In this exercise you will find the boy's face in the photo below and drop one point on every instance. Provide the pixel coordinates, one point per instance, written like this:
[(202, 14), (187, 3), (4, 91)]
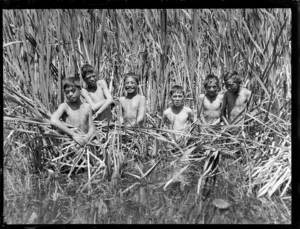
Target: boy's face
[(232, 86), (211, 88), (90, 79), (177, 99), (130, 85), (72, 94)]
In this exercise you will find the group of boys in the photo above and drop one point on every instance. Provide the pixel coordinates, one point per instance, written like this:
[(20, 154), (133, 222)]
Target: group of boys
[(213, 107), (98, 100)]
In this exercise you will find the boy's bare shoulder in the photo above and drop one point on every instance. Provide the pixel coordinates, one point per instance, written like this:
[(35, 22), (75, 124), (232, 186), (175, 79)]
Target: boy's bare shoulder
[(220, 96), (247, 91), (101, 83), (63, 106), (167, 111), (187, 109), (201, 96), (83, 91), (141, 97), (121, 98), (86, 106)]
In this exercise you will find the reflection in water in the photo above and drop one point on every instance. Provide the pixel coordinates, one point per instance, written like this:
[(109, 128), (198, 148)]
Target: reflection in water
[(59, 200)]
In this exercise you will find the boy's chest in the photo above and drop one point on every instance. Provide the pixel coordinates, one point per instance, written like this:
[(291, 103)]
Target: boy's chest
[(132, 104), (180, 117), (237, 100), (212, 104), (77, 117), (96, 95)]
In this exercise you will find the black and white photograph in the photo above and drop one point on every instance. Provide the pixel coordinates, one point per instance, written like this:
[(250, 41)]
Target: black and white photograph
[(147, 116)]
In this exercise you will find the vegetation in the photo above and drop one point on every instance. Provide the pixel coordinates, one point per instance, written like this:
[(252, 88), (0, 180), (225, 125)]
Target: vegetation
[(142, 175)]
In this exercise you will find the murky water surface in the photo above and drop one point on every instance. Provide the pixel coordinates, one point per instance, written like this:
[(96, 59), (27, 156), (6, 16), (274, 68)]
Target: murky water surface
[(61, 200)]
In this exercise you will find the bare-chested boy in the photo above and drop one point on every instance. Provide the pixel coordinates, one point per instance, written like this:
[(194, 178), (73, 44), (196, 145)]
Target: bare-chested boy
[(210, 103), (133, 105), (77, 113), (96, 93), (178, 115), (236, 101)]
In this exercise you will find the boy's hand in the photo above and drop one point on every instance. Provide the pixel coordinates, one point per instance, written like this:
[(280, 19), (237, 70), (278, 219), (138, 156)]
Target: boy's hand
[(96, 114), (77, 138), (86, 139)]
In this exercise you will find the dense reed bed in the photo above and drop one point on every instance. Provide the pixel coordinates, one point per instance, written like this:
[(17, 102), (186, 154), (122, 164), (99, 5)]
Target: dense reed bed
[(210, 177)]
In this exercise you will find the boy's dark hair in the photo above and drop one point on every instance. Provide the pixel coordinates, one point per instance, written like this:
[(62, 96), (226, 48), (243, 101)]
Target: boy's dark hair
[(71, 82), (132, 75), (176, 88), (209, 78), (86, 70), (234, 76)]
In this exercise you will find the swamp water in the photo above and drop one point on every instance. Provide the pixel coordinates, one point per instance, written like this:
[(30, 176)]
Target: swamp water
[(57, 199)]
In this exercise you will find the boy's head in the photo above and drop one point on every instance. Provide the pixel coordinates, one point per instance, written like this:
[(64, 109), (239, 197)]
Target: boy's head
[(71, 86), (233, 81), (88, 75), (133, 76), (131, 82), (211, 85), (177, 95)]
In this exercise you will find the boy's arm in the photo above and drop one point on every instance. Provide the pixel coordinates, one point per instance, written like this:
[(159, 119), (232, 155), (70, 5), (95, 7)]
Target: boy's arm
[(142, 110), (61, 126), (250, 102), (191, 115), (89, 100), (164, 119), (253, 108), (108, 98), (200, 109), (121, 119), (223, 110), (92, 128)]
